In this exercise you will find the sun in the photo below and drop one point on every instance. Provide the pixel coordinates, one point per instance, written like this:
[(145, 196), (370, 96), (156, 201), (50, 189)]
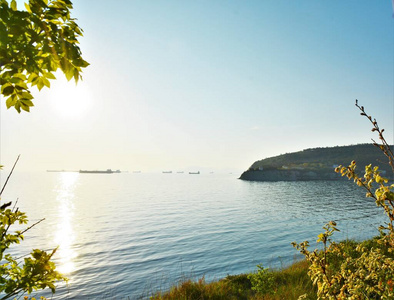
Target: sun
[(69, 100)]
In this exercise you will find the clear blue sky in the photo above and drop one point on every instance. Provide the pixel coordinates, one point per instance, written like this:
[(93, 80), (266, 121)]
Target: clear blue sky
[(213, 85)]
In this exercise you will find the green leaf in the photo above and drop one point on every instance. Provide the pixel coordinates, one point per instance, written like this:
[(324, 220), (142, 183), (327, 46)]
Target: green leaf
[(27, 6), (21, 85), (8, 90), (18, 107), (25, 107), (76, 75), (10, 101), (13, 5), (15, 80), (40, 83), (26, 95), (32, 77), (20, 76), (84, 64), (80, 63), (49, 75), (46, 82), (69, 74), (52, 287), (26, 103)]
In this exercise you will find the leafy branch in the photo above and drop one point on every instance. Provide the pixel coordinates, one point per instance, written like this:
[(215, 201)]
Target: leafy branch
[(368, 273), (33, 45), (35, 271), (9, 175)]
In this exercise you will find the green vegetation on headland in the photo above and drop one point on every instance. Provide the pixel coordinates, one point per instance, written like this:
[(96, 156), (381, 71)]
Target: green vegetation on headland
[(287, 283), (315, 164)]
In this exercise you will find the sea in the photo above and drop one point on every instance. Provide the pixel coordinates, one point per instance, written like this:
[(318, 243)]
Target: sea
[(129, 235)]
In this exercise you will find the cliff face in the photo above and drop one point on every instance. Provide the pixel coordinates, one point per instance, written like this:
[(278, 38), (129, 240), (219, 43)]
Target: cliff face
[(288, 175), (316, 164)]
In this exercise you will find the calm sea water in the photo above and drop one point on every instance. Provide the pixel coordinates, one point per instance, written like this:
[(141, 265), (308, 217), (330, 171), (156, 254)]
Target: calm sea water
[(127, 235)]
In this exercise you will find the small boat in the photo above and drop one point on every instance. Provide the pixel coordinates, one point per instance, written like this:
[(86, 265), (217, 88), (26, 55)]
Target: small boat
[(198, 172)]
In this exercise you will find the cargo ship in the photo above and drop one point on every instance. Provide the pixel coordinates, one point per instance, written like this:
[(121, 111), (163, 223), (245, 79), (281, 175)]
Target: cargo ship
[(108, 171)]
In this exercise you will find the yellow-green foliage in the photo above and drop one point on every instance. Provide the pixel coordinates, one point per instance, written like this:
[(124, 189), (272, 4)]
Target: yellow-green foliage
[(367, 272), (36, 271), (34, 44), (289, 283), (263, 280)]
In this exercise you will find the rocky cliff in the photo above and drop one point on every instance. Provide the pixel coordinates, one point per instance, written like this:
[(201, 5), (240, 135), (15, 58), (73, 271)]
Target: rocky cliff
[(288, 175), (316, 164)]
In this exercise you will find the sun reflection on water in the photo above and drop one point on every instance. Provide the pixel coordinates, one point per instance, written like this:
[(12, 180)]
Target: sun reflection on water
[(65, 235)]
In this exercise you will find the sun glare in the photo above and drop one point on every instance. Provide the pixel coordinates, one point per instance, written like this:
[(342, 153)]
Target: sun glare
[(69, 100), (65, 232)]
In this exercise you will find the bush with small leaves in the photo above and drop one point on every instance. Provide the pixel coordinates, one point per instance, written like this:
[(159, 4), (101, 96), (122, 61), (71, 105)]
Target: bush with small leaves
[(263, 280), (36, 271), (368, 273)]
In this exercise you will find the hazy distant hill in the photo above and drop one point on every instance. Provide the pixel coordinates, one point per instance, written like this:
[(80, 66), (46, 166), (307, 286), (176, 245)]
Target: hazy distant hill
[(316, 163)]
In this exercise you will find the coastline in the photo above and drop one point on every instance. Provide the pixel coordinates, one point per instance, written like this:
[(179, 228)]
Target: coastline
[(290, 175)]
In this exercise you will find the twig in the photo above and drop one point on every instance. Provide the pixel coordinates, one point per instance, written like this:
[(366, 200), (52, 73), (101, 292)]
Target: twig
[(30, 227), (16, 202), (29, 254), (385, 147), (12, 170)]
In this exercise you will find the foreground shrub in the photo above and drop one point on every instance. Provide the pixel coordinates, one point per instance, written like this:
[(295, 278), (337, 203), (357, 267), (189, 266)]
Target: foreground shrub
[(36, 271), (367, 272), (263, 280)]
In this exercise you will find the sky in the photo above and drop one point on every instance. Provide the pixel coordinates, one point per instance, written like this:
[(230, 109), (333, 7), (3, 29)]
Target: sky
[(210, 85)]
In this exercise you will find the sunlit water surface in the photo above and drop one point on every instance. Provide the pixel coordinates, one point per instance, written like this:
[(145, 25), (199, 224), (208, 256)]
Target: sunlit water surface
[(128, 235)]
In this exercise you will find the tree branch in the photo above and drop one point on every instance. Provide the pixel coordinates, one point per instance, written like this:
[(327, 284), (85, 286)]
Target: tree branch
[(12, 170)]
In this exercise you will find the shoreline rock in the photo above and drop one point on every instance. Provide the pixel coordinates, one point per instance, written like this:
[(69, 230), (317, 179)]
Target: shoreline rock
[(289, 175)]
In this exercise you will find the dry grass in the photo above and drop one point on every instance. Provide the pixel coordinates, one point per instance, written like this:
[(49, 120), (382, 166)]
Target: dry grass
[(290, 283)]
